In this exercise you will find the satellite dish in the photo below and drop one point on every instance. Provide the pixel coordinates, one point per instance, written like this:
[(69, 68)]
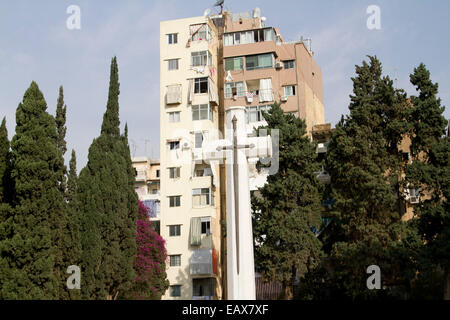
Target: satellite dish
[(256, 12), (219, 3), (263, 19), (207, 11)]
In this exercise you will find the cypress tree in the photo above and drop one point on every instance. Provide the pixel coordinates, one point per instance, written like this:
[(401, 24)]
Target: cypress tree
[(108, 207), (430, 172), (34, 249), (365, 167), (288, 207), (72, 179), (5, 165), (61, 130), (5, 209), (73, 253)]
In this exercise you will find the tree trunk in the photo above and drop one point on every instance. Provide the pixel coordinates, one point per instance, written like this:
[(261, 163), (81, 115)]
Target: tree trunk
[(447, 284), (286, 293)]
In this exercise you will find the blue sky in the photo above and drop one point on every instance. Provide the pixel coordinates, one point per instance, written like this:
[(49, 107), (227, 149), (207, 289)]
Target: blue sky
[(35, 44)]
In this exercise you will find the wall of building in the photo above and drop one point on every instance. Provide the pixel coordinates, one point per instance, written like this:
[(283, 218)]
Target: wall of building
[(182, 157)]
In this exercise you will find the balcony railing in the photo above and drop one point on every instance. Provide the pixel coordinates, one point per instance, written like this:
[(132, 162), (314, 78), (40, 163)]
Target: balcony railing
[(267, 95)]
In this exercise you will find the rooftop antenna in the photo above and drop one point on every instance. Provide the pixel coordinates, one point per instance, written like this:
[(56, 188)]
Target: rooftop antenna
[(219, 3), (145, 146), (133, 147)]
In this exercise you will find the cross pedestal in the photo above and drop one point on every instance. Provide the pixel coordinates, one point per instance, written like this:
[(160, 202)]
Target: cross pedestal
[(236, 148)]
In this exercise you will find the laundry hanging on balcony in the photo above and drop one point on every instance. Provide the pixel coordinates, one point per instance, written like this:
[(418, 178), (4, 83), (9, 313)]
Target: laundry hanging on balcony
[(213, 97), (195, 232), (265, 90)]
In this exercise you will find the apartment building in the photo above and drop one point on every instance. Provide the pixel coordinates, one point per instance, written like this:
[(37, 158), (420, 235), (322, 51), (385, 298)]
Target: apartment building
[(147, 186), (207, 65)]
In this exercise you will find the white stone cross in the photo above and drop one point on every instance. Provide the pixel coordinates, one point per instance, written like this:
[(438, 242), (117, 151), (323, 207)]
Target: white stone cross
[(236, 148)]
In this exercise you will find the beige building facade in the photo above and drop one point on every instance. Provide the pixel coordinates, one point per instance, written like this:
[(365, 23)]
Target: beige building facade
[(209, 64)]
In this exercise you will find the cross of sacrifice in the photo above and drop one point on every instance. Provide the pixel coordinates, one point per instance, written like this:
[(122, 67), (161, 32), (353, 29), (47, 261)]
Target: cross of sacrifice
[(236, 149)]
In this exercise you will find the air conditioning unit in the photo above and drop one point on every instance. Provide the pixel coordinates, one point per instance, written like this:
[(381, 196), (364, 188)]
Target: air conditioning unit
[(414, 200), (284, 98), (279, 65)]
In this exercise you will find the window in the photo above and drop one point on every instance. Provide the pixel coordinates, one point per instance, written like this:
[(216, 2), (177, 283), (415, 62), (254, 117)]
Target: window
[(175, 231), (198, 137), (260, 61), (255, 114), (154, 191), (201, 197), (202, 112), (173, 38), (173, 145), (201, 85), (251, 36), (174, 173), (201, 58), (200, 32), (234, 89), (289, 91), (174, 116), (202, 171), (206, 226), (157, 173), (173, 64), (174, 201), (175, 291), (234, 63), (175, 260), (289, 64)]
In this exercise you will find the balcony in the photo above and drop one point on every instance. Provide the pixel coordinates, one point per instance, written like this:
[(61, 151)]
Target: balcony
[(203, 262), (141, 175)]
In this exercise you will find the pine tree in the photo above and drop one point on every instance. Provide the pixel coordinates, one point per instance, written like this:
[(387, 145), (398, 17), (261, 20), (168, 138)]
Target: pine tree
[(430, 171), (108, 207), (364, 162), (33, 252), (150, 261), (289, 206)]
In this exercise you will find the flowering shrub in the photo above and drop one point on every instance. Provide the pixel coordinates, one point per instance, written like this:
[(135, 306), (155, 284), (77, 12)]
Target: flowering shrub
[(151, 278)]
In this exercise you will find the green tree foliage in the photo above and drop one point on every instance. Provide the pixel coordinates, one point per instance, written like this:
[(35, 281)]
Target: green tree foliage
[(365, 166), (288, 206), (32, 252), (430, 172), (107, 205)]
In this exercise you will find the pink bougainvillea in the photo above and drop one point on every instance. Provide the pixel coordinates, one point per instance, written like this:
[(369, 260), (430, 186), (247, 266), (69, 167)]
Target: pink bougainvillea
[(151, 278)]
